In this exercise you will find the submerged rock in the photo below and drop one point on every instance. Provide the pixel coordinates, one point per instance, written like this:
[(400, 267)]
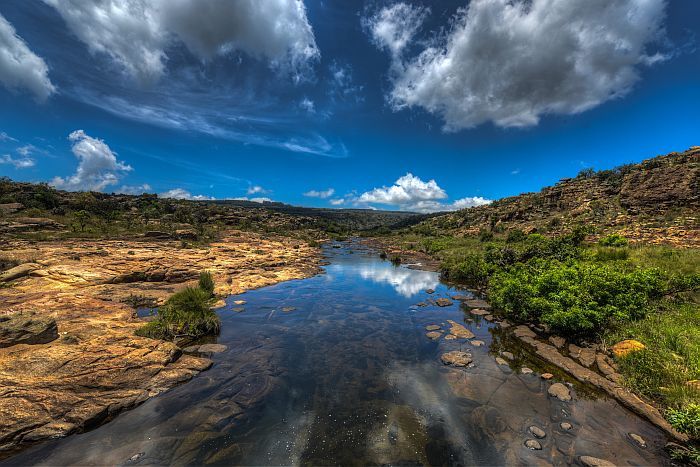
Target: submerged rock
[(537, 432), (443, 302), (559, 391), (533, 444), (566, 426), (456, 358), (590, 461), (432, 327), (212, 348), (477, 343), (239, 302), (479, 312), (460, 331), (288, 309), (638, 439), (433, 335)]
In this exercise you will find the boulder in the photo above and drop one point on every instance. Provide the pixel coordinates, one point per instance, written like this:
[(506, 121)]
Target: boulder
[(18, 272), (566, 426), (626, 347), (559, 391), (26, 329), (456, 358)]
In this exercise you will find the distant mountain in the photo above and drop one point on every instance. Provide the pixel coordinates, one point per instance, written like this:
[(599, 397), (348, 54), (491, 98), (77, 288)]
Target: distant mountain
[(654, 201)]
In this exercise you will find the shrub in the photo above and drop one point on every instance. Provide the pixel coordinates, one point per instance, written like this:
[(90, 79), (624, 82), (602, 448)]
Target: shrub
[(485, 235), (613, 240), (686, 420), (206, 282), (515, 236), (470, 269), (187, 312), (574, 298), (611, 254)]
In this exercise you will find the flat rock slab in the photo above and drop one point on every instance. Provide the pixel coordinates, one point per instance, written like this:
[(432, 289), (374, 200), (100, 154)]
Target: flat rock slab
[(590, 461), (456, 358), (212, 348), (443, 302), (559, 391), (433, 335), (25, 328), (477, 303), (460, 331), (432, 327), (18, 272), (477, 343), (479, 312)]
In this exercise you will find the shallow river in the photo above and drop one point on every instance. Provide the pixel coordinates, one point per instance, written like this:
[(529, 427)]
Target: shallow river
[(336, 369)]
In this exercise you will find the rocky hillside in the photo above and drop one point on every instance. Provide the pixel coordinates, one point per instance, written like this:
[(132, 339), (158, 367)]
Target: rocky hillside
[(655, 201)]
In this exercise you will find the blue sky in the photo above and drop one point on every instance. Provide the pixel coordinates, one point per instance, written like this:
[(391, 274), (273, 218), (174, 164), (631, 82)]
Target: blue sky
[(334, 103)]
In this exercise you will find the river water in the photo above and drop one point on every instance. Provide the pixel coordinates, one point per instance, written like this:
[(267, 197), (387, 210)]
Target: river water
[(337, 369)]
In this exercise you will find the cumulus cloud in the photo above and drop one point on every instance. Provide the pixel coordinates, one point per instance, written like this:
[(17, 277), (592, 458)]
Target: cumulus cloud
[(20, 67), (511, 61), (134, 189), (254, 200), (98, 166), (393, 27), (137, 33), (253, 189), (23, 162), (320, 194), (410, 193), (337, 201), (181, 193)]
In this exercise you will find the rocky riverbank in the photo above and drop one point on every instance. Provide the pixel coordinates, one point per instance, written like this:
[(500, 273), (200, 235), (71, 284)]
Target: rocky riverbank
[(69, 358)]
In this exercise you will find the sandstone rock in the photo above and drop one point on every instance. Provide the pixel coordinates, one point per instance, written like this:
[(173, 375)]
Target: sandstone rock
[(18, 272), (212, 348), (546, 376), (565, 426), (433, 335), (288, 309), (523, 331), (507, 355), (533, 444), (186, 234), (537, 432), (432, 327), (500, 361), (479, 312), (460, 298), (477, 343), (9, 208), (559, 391), (239, 302), (625, 347), (557, 341), (478, 303), (488, 317), (603, 365), (456, 358), (20, 328), (526, 371), (589, 461), (460, 331), (191, 349), (157, 234), (450, 337), (443, 302)]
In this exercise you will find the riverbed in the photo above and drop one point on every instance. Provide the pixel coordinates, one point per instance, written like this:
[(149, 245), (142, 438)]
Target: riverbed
[(337, 369)]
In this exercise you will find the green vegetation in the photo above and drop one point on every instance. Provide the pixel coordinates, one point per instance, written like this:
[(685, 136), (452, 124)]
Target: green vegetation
[(186, 313), (686, 420), (206, 282), (614, 240)]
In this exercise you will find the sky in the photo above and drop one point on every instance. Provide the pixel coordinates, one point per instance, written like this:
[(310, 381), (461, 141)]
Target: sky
[(415, 105)]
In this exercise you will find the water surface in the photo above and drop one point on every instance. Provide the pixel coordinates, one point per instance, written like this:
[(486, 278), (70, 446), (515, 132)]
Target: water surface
[(336, 369)]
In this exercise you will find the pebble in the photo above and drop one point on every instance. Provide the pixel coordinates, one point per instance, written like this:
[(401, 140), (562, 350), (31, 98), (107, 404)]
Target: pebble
[(559, 391), (476, 343), (507, 355), (526, 371), (638, 439), (537, 432), (500, 361), (547, 376), (533, 444), (136, 457), (565, 426), (239, 302)]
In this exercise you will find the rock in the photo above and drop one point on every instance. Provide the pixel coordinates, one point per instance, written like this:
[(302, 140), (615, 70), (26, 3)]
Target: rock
[(537, 432), (433, 335), (460, 331), (186, 234), (34, 223), (288, 309), (625, 347), (136, 457), (526, 371), (477, 303), (450, 337), (589, 461), (603, 365), (504, 324), (524, 331), (500, 361), (565, 426), (460, 298), (638, 439), (432, 327), (546, 376), (533, 444), (456, 358), (18, 272), (212, 348), (191, 349), (488, 317), (421, 304), (559, 391), (477, 343), (157, 234), (239, 302), (9, 208), (508, 355), (20, 328), (557, 341), (430, 291), (238, 309), (443, 302), (585, 355), (479, 312)]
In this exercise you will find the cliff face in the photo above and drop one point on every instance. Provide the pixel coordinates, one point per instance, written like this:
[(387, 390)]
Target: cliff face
[(655, 201)]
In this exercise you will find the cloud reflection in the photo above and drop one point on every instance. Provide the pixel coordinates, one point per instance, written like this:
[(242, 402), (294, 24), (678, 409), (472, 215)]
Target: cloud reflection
[(407, 282)]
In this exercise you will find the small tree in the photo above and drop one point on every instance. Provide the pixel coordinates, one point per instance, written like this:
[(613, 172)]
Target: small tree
[(82, 218)]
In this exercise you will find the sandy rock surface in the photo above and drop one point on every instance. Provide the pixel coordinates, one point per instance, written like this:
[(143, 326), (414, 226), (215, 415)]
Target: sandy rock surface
[(97, 366)]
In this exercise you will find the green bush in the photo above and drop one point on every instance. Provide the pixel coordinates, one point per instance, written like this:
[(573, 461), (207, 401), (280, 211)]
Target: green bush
[(187, 312), (574, 298), (613, 240), (206, 282), (611, 254), (686, 420), (470, 269), (485, 236)]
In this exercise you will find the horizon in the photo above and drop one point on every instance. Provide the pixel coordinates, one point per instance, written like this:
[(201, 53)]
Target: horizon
[(345, 106)]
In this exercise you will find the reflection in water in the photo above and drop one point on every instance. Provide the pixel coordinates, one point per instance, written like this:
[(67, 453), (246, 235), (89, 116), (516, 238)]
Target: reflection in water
[(407, 282), (347, 376)]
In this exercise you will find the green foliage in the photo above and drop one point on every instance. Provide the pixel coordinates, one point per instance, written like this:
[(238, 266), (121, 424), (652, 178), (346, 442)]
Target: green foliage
[(206, 282), (395, 260), (574, 298), (470, 268), (187, 312), (611, 254), (485, 236), (686, 419), (613, 240), (515, 236)]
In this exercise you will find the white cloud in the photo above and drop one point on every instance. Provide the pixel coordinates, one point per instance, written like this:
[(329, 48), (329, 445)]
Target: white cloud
[(410, 193), (20, 67), (512, 61), (181, 193), (254, 200), (320, 194), (337, 201), (308, 105), (134, 189), (5, 137), (393, 27), (136, 34), (20, 163), (98, 166), (256, 189)]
